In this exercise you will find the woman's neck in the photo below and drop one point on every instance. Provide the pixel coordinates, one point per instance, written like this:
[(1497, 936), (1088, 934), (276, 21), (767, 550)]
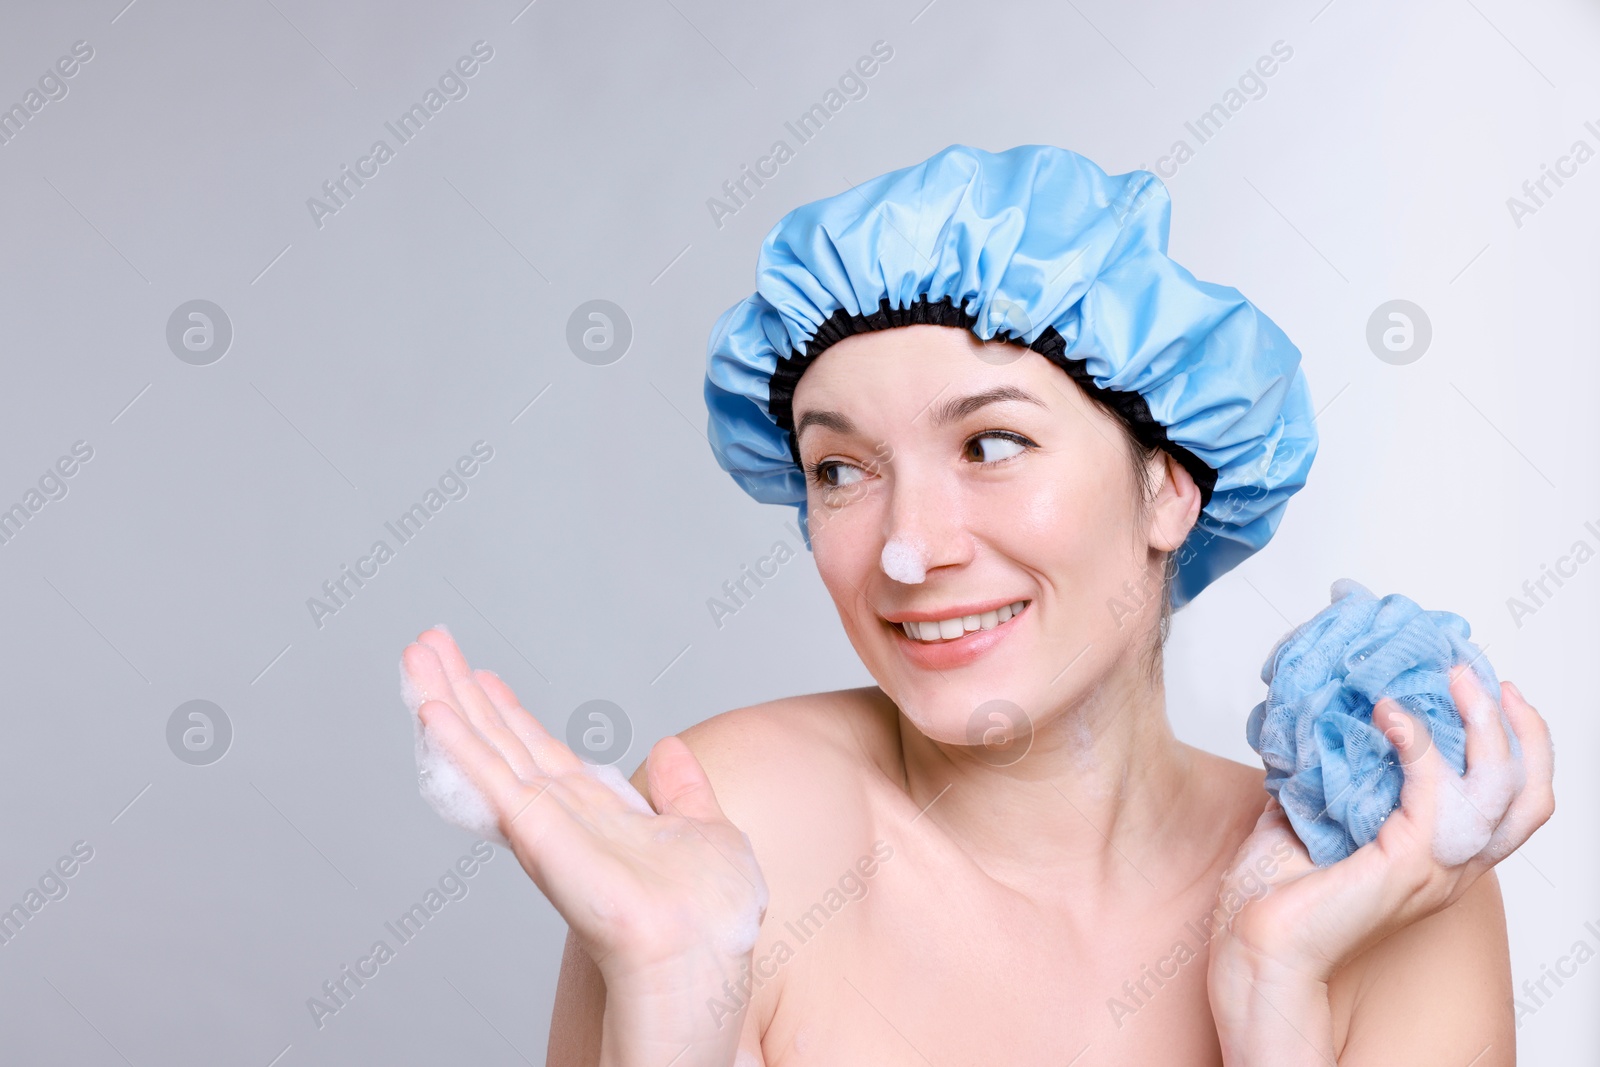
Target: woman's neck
[(1096, 805)]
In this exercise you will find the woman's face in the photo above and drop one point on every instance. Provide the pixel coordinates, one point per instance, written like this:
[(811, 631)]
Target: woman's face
[(985, 471)]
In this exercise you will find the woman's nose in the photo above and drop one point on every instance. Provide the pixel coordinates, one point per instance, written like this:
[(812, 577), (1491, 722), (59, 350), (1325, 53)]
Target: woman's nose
[(905, 560), (925, 529)]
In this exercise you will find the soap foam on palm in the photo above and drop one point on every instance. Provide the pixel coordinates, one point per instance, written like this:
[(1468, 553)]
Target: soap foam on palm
[(608, 775), (442, 784), (449, 791)]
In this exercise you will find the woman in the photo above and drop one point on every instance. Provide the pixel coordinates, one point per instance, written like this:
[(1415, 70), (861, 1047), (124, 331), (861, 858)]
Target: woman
[(1000, 852)]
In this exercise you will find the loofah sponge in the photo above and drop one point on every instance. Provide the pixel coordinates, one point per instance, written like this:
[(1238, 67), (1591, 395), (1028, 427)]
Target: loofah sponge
[(1336, 775)]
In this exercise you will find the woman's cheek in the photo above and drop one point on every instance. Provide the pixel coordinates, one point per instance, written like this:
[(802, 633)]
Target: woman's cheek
[(1047, 515), (842, 544), (1079, 535)]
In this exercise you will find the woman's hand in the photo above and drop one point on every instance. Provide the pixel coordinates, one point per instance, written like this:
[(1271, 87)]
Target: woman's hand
[(667, 903), (1448, 830)]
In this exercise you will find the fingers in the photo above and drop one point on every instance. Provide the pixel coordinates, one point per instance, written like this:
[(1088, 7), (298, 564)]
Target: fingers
[(1411, 738), (433, 663), (1535, 800), (678, 784), (1487, 743), (1538, 749), (476, 758), (551, 756), (1273, 840), (535, 817), (422, 666), (1423, 764), (470, 697)]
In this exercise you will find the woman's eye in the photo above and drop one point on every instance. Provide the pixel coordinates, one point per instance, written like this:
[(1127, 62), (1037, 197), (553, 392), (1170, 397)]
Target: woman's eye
[(993, 447), (836, 475)]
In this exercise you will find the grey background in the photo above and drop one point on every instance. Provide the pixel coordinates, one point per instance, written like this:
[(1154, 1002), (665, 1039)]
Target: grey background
[(370, 353)]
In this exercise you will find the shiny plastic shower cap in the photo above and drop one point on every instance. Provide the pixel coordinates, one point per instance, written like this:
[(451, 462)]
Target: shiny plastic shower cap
[(1035, 246)]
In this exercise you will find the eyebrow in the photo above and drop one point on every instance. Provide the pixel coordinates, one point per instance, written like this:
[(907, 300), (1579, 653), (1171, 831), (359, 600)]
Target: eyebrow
[(959, 407), (956, 408)]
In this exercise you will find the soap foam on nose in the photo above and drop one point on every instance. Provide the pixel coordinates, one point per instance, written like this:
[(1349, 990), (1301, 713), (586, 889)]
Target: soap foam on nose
[(442, 784), (904, 561)]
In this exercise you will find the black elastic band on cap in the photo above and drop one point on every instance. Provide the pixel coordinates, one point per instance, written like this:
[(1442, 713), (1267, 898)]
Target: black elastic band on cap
[(1129, 407)]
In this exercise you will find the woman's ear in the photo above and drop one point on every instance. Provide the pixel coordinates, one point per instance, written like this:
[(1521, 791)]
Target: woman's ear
[(1175, 508)]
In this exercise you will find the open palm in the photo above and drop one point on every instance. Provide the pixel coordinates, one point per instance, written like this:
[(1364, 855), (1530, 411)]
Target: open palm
[(644, 890)]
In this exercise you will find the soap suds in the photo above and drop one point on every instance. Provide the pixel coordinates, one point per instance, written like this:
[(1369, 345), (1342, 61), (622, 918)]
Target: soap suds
[(608, 776), (1468, 809), (442, 784), (905, 561), (739, 938), (457, 800)]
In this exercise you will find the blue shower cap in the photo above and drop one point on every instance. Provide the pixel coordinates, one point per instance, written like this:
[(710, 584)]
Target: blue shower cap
[(1336, 775), (1035, 246)]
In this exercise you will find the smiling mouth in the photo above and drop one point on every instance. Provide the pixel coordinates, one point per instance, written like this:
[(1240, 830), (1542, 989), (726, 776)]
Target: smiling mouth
[(961, 625)]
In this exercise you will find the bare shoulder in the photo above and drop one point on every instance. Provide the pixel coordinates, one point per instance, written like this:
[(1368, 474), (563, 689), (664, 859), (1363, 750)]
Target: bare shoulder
[(1233, 795), (796, 774), (852, 727), (1437, 988), (1241, 780)]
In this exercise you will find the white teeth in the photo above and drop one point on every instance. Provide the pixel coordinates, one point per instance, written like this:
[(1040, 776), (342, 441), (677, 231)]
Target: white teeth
[(949, 629)]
